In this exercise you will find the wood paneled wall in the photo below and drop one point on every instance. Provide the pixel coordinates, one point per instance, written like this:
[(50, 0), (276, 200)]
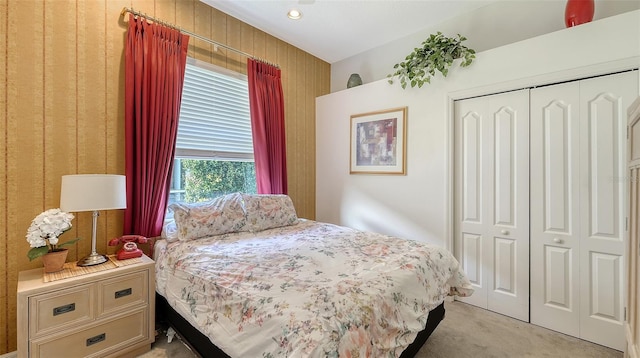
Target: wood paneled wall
[(61, 111)]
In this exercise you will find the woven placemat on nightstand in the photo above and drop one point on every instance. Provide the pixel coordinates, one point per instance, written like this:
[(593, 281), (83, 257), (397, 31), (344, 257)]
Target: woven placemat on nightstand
[(70, 269)]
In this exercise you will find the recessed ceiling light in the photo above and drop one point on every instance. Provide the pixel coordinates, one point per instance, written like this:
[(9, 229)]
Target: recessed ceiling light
[(294, 14)]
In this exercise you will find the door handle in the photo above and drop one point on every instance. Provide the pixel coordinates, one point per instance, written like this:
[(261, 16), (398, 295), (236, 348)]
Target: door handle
[(558, 240), (504, 232)]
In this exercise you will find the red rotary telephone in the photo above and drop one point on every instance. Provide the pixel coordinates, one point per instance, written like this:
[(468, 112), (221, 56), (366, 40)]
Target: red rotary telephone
[(129, 248)]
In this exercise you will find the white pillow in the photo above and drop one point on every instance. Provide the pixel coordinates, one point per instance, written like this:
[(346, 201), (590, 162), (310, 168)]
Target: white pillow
[(267, 211), (219, 216), (169, 231)]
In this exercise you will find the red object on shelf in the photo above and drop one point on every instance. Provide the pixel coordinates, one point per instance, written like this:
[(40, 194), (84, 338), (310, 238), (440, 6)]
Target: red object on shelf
[(129, 248), (578, 12)]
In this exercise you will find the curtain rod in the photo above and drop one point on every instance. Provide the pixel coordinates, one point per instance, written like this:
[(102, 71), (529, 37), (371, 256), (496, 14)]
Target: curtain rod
[(214, 43)]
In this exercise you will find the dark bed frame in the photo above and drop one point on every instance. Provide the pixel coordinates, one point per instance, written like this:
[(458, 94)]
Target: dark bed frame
[(203, 346)]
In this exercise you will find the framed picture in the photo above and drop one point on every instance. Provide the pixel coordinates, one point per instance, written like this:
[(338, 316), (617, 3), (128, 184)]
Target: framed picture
[(378, 142)]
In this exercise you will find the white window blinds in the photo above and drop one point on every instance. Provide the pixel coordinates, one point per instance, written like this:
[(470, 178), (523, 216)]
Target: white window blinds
[(215, 121)]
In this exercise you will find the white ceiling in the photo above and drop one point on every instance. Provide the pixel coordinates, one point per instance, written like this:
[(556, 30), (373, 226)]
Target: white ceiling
[(333, 30)]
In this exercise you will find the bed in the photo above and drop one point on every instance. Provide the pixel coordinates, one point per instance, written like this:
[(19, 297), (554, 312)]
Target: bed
[(243, 276)]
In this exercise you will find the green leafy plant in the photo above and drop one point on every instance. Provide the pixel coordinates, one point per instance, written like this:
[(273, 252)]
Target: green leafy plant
[(436, 54)]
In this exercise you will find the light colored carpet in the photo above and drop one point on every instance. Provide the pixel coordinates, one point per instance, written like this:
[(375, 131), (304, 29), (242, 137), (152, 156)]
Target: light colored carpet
[(466, 331)]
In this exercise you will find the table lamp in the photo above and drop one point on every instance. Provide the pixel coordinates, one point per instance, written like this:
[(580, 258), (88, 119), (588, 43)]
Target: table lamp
[(93, 192)]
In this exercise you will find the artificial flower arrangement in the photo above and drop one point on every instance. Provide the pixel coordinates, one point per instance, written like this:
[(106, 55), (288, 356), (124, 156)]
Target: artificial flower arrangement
[(48, 226)]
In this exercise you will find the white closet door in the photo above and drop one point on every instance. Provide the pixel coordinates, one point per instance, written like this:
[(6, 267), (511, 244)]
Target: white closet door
[(603, 104), (492, 200), (578, 206), (555, 215), (472, 221)]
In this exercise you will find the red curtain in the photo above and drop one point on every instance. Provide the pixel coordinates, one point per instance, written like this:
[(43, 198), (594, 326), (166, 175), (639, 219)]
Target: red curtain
[(266, 101), (155, 60)]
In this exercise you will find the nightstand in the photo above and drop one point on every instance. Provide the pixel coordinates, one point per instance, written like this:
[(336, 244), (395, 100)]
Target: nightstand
[(109, 313)]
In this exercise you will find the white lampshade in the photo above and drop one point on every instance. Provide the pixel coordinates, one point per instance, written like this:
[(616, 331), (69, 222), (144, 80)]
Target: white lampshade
[(90, 192)]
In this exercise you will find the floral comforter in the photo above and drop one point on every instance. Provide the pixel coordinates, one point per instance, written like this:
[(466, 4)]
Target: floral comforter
[(307, 290)]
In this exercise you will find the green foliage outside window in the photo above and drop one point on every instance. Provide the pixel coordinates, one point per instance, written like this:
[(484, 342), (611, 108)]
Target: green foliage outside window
[(206, 179)]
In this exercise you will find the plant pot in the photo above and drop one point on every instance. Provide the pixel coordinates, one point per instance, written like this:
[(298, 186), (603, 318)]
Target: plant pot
[(54, 261)]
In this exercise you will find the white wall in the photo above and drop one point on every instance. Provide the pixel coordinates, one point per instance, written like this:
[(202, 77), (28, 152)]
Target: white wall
[(417, 205), (488, 27)]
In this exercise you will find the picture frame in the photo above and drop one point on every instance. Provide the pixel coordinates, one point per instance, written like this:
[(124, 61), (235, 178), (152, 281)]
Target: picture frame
[(378, 142)]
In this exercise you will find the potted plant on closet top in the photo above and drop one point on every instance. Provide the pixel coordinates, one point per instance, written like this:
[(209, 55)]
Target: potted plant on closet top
[(437, 53)]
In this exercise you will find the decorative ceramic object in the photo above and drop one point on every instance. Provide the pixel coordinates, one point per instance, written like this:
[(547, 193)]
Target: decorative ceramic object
[(578, 12), (354, 80), (54, 261)]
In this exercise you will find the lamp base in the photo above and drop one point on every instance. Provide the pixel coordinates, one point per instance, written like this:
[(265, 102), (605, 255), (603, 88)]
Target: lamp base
[(93, 259)]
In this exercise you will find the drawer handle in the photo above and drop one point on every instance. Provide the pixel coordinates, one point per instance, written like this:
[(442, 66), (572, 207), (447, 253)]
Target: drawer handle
[(122, 293), (64, 309), (96, 339)]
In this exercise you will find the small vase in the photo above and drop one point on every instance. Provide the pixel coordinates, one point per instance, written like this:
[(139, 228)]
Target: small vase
[(354, 80), (54, 261), (578, 12)]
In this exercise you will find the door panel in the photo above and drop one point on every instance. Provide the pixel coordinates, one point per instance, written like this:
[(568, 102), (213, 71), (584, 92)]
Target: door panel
[(603, 148), (504, 160), (556, 138), (472, 225), (508, 291), (558, 277), (604, 294), (492, 180), (604, 101), (471, 260), (555, 218), (471, 192), (505, 255)]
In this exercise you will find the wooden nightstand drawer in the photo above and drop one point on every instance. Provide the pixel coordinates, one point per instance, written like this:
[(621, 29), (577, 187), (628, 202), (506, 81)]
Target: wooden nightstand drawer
[(123, 292), (99, 340), (60, 310)]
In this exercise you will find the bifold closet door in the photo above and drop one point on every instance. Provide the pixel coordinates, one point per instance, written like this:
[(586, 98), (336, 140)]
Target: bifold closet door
[(555, 202), (578, 206), (492, 200)]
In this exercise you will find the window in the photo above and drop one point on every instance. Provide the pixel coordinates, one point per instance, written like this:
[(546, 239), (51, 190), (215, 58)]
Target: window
[(214, 148)]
